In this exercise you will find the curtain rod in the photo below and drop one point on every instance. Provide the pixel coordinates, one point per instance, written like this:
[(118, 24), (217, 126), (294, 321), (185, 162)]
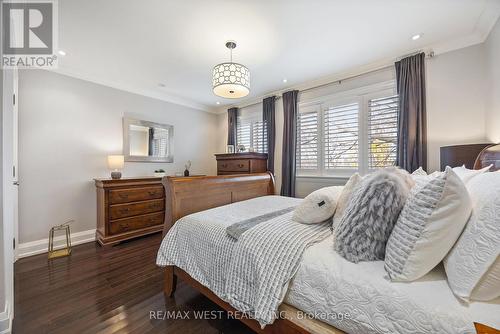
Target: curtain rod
[(339, 81)]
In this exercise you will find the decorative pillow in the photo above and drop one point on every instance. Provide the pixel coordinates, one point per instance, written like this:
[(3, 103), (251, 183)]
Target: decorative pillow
[(466, 174), (473, 265), (419, 172), (370, 215), (430, 223), (344, 198), (318, 206)]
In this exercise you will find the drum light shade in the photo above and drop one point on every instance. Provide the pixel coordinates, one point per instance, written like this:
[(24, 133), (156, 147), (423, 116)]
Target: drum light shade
[(116, 162), (231, 80)]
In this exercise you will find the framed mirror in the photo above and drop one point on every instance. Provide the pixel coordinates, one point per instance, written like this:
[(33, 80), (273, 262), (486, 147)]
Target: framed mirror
[(147, 141)]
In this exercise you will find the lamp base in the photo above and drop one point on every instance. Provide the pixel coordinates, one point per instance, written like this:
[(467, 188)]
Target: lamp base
[(116, 175)]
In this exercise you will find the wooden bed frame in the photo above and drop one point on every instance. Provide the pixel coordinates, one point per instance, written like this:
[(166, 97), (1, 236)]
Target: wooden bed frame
[(186, 195)]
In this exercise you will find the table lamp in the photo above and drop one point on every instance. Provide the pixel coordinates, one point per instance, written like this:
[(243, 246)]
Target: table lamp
[(115, 163)]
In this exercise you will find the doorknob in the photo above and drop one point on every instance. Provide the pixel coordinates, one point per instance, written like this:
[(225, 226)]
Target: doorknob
[(16, 183)]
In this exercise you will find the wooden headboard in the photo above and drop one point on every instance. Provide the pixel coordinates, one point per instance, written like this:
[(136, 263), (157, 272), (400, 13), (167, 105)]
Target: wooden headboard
[(186, 195), (458, 155), (489, 156)]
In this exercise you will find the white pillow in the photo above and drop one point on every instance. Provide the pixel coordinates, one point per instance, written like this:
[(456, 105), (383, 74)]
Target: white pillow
[(419, 172), (344, 197), (473, 265), (430, 223), (466, 174), (318, 206)]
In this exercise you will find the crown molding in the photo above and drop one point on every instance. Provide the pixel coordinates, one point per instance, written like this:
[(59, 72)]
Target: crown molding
[(135, 90)]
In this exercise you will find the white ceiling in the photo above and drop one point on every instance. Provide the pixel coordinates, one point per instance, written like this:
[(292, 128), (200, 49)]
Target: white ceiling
[(135, 45)]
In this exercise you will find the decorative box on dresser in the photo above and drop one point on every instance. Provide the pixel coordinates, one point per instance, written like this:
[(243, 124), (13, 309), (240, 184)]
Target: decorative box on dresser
[(129, 208), (241, 163)]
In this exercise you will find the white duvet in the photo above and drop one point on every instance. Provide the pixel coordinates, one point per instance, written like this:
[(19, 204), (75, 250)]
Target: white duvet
[(358, 298)]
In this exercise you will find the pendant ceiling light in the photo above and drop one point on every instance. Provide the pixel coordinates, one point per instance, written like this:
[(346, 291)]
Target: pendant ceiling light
[(231, 80)]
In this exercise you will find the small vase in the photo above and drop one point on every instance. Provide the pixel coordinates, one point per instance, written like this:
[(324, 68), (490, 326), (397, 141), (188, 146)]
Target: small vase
[(186, 172)]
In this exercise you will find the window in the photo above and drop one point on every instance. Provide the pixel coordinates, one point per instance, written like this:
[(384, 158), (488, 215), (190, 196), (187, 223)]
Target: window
[(382, 131), (355, 132), (341, 148), (251, 130), (307, 140)]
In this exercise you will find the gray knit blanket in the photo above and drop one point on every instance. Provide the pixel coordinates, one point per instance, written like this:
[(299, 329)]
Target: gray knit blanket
[(252, 272)]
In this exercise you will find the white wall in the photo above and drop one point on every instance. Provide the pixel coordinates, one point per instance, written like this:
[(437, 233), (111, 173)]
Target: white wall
[(456, 100), (492, 50), (68, 127)]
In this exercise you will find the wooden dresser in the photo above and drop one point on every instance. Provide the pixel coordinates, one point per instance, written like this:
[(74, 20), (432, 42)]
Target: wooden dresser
[(241, 163), (128, 208)]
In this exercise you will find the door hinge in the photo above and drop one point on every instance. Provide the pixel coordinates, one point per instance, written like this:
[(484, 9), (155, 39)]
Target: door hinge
[(14, 99), (14, 243), (14, 171)]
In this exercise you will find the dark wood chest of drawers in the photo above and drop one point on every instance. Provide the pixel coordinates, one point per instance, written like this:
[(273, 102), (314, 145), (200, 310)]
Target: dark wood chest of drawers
[(128, 208), (241, 163)]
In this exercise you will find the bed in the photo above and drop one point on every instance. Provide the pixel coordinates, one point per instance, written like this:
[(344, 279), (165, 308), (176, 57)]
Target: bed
[(323, 281)]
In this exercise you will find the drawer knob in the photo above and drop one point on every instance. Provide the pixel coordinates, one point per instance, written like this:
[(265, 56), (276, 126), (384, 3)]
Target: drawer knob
[(152, 193), (124, 226), (241, 165), (123, 196), (124, 210), (224, 165)]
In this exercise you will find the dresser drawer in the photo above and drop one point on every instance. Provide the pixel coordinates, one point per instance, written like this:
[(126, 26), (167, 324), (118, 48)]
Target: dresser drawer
[(135, 194), (242, 166), (134, 209), (135, 223)]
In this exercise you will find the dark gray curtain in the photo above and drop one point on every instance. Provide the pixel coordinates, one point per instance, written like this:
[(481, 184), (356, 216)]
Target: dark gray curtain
[(151, 138), (412, 129), (289, 143), (232, 116), (268, 106)]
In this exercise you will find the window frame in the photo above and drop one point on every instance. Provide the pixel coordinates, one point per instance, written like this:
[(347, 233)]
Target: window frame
[(362, 96)]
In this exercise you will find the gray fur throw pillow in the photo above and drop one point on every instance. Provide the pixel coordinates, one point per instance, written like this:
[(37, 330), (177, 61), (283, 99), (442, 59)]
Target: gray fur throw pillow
[(371, 213)]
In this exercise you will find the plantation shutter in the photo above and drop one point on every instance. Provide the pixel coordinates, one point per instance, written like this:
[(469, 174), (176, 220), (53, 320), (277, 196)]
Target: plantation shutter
[(382, 131), (341, 137), (307, 140), (243, 133), (259, 137)]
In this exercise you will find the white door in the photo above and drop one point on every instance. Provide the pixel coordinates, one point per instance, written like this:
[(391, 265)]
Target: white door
[(9, 190), (15, 167)]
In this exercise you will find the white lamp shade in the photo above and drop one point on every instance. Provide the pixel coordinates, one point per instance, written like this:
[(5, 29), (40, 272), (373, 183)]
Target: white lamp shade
[(116, 161), (231, 80)]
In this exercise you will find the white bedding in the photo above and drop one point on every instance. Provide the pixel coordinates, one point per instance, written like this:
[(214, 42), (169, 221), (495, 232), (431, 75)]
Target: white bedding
[(329, 286)]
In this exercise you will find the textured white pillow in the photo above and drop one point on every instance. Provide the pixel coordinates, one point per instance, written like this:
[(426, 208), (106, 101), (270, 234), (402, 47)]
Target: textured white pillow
[(473, 265), (318, 206), (430, 223), (345, 196), (466, 174), (419, 172)]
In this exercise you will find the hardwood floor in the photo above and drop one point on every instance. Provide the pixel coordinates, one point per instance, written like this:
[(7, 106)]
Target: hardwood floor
[(108, 290)]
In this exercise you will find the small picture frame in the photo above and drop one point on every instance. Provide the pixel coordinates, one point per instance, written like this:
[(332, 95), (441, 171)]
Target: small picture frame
[(230, 149)]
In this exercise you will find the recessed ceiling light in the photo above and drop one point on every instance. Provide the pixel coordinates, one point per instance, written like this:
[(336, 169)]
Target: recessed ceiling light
[(415, 37), (161, 85), (61, 52), (285, 80), (217, 102)]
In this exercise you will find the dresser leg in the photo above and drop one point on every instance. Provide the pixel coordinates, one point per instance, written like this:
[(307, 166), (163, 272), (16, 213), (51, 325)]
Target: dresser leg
[(170, 281)]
